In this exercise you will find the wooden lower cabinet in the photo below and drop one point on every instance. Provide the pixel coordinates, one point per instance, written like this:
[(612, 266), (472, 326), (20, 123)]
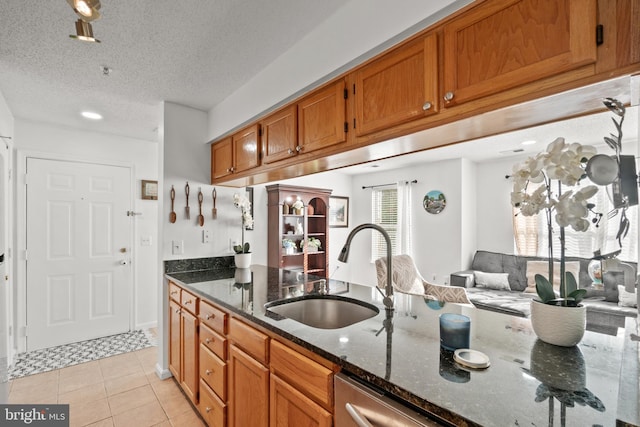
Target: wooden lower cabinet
[(248, 390), (212, 409), (183, 345), (289, 407)]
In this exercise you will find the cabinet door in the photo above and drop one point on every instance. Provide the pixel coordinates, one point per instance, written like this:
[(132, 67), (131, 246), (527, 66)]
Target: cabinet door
[(221, 159), (322, 118), (399, 87), (248, 391), (279, 135), (246, 147), (289, 407), (190, 347), (174, 339), (505, 43)]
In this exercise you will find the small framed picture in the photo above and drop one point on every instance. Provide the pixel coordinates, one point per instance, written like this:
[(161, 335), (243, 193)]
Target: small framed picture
[(149, 190), (338, 211)]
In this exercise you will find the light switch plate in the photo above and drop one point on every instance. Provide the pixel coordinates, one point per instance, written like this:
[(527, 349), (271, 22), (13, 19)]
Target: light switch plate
[(205, 236), (177, 247)]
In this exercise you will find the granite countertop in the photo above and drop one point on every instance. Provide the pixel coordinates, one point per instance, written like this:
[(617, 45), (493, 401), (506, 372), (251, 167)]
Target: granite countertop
[(405, 359)]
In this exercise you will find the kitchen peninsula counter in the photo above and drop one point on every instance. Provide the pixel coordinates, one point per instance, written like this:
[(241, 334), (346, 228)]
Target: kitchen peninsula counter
[(528, 383)]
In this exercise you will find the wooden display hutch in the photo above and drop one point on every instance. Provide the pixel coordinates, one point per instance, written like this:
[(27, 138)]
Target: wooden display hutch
[(299, 227)]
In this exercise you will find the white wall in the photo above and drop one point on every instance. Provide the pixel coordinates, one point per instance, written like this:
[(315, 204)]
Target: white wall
[(358, 31), (72, 144)]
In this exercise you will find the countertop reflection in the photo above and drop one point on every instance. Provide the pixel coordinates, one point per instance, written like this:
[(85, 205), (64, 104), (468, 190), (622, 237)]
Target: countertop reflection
[(526, 384)]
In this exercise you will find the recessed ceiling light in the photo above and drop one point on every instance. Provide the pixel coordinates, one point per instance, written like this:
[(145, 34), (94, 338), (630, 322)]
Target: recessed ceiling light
[(91, 115), (530, 142)]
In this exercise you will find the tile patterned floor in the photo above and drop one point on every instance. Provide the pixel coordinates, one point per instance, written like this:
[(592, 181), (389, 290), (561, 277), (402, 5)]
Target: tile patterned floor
[(117, 391)]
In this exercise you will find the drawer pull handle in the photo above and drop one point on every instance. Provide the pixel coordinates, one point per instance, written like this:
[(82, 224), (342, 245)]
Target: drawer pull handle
[(208, 372), (208, 340), (209, 316), (173, 292), (356, 416), (188, 302), (177, 310), (207, 409)]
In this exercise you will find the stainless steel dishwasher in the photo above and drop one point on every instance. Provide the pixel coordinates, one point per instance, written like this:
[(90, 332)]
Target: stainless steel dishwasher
[(360, 406)]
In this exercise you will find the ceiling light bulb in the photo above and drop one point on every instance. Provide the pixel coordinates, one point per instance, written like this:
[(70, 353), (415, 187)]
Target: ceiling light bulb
[(83, 8), (91, 115)]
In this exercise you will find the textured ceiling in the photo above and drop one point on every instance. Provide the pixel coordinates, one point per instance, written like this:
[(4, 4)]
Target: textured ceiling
[(190, 52)]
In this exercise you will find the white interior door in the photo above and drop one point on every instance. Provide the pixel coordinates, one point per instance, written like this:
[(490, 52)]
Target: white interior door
[(79, 275)]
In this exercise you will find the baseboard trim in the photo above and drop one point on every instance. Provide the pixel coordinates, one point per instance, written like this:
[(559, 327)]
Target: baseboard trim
[(162, 373)]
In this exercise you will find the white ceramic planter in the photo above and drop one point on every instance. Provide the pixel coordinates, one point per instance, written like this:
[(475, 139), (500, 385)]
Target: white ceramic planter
[(563, 326), (242, 260)]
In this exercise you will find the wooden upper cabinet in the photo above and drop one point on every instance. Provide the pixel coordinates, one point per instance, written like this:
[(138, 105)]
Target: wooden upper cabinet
[(501, 44), (279, 135), (400, 86), (246, 146), (221, 159), (322, 118)]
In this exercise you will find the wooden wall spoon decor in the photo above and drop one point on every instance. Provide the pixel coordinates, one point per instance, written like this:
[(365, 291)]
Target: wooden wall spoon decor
[(186, 209), (214, 211), (200, 216), (172, 214)]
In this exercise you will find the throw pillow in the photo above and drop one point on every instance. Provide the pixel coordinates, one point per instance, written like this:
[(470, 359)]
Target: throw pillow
[(627, 299), (542, 267), (496, 281), (611, 280)]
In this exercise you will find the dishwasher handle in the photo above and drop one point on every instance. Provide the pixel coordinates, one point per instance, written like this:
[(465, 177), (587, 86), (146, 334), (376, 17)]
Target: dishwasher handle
[(357, 417)]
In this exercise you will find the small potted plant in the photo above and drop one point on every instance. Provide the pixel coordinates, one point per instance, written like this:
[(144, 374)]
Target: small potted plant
[(243, 253), (289, 246), (313, 244)]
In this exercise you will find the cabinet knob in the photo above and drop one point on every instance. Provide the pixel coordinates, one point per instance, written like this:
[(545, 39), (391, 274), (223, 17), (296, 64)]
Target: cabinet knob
[(426, 106), (209, 316), (178, 311), (228, 169), (188, 302), (233, 169), (208, 341), (448, 96), (207, 409), (173, 292), (298, 148), (290, 151), (208, 372)]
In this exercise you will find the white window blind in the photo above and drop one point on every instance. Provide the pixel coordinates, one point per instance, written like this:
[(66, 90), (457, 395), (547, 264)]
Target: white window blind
[(384, 212), (531, 233)]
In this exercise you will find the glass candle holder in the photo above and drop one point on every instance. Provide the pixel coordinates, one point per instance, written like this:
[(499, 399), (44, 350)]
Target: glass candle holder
[(454, 331)]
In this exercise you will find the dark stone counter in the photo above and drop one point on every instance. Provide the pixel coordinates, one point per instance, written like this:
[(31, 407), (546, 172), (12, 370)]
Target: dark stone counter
[(528, 383)]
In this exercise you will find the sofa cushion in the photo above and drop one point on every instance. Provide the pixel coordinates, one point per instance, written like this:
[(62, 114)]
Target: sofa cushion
[(611, 280), (627, 299), (498, 281), (507, 302)]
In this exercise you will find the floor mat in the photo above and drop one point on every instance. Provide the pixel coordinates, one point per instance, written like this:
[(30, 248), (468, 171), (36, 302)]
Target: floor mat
[(48, 359)]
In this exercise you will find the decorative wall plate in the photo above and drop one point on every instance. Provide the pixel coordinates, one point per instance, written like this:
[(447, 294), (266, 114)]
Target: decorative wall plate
[(434, 202)]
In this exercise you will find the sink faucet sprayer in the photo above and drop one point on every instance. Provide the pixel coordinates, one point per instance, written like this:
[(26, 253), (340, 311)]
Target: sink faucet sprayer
[(344, 255)]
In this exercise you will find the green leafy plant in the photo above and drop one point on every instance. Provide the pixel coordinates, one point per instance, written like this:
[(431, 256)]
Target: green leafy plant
[(314, 242), (570, 295), (242, 249)]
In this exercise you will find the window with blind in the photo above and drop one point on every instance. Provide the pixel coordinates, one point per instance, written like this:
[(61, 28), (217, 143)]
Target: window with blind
[(532, 237), (384, 212)]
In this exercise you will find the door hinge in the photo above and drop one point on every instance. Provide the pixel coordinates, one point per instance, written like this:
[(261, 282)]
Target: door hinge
[(599, 34), (346, 93), (260, 131), (354, 88), (346, 127), (354, 123)]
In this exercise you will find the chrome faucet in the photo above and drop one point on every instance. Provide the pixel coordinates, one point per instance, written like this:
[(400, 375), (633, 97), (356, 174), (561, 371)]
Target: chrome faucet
[(344, 255)]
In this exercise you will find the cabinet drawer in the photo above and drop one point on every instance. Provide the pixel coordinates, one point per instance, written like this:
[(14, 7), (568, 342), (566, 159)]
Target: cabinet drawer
[(213, 341), (253, 342), (212, 409), (308, 376), (189, 301), (174, 292), (213, 318), (213, 371)]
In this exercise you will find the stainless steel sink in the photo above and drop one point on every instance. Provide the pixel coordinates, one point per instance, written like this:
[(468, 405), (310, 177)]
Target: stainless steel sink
[(324, 311)]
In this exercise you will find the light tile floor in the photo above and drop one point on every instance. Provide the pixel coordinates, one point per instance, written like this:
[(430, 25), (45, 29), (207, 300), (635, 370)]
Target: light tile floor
[(121, 390)]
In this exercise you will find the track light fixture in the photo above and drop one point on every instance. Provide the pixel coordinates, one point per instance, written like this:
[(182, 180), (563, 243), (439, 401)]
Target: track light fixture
[(87, 11)]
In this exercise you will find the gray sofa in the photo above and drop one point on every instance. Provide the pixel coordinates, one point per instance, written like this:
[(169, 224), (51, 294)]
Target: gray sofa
[(602, 304)]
